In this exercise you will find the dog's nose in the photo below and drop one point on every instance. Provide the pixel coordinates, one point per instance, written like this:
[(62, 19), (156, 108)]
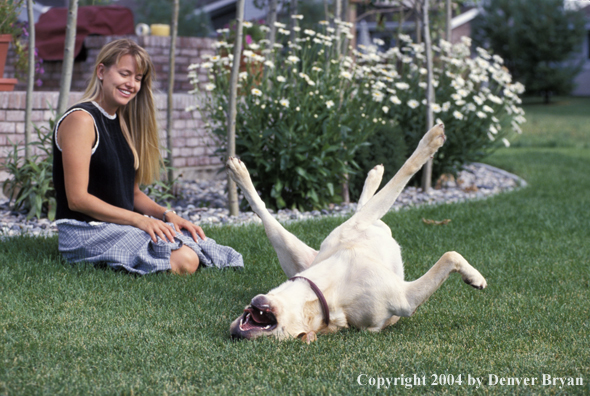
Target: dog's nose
[(261, 302)]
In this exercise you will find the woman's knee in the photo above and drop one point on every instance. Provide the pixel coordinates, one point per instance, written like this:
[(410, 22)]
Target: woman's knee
[(184, 261)]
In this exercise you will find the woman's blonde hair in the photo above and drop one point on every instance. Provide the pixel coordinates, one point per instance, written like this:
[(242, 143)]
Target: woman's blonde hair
[(138, 117)]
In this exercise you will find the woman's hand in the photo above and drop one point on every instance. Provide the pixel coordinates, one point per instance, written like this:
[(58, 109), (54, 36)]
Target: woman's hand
[(155, 228), (180, 224)]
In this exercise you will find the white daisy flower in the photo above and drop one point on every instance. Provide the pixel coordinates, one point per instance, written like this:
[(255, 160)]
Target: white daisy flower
[(413, 103), (506, 142), (284, 102), (377, 96), (385, 109), (345, 74), (457, 115), (247, 24), (395, 100), (209, 87), (256, 92), (481, 114), (329, 104)]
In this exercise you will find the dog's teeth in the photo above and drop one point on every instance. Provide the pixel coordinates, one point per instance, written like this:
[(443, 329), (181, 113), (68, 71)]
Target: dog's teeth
[(267, 327)]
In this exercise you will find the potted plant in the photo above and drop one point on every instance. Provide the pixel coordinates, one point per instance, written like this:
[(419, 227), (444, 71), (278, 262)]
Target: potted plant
[(10, 31)]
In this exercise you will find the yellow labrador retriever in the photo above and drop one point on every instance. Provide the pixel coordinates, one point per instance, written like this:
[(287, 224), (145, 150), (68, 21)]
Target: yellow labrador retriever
[(357, 277)]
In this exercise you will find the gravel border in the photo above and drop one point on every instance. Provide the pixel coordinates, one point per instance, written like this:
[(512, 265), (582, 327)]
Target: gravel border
[(205, 202)]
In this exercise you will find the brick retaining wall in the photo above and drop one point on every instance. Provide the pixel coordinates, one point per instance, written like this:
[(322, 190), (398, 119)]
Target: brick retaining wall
[(188, 50), (192, 149)]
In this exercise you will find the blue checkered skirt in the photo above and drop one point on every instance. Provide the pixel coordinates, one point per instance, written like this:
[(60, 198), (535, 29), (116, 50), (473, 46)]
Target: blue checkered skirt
[(130, 248)]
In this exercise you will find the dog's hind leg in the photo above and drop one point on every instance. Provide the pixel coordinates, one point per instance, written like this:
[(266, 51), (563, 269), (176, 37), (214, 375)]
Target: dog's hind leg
[(380, 204), (372, 183), (418, 291), (294, 255)]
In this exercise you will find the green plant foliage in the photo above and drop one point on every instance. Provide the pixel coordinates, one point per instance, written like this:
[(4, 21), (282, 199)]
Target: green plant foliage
[(304, 111), (387, 147), (301, 113), (163, 191), (536, 38), (475, 98), (30, 186)]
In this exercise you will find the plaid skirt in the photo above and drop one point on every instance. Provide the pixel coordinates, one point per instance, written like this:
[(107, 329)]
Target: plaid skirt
[(130, 248)]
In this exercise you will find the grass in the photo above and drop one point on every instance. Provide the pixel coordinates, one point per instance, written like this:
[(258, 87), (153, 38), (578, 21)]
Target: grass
[(84, 330)]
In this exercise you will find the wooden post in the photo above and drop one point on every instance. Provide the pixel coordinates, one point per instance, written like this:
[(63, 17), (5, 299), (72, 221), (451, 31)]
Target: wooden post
[(170, 106), (427, 170), (232, 193), (68, 61), (448, 18), (30, 79)]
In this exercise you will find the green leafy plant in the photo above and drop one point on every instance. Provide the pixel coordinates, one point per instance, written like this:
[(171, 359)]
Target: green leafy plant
[(303, 111), (541, 41), (30, 186), (475, 98), (163, 191)]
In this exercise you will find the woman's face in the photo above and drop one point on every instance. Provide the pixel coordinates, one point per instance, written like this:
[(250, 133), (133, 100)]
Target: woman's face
[(120, 83)]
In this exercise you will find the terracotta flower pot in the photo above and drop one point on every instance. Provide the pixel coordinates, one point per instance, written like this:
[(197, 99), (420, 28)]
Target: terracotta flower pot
[(6, 84)]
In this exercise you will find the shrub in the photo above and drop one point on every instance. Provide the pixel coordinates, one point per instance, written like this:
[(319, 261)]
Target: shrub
[(304, 111), (537, 38), (30, 186), (387, 147), (301, 114), (475, 98)]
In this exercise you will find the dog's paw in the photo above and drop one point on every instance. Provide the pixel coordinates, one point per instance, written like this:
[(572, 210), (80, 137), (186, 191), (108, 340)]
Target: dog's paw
[(376, 172), (308, 338), (375, 175), (237, 170), (476, 281), (434, 139)]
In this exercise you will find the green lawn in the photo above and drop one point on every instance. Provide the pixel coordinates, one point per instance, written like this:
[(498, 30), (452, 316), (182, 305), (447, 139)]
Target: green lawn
[(85, 330)]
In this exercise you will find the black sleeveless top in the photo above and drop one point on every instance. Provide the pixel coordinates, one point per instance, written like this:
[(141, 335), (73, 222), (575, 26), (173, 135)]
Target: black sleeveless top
[(111, 174)]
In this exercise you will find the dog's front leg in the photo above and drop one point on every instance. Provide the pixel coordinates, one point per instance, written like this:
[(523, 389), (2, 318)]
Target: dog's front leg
[(294, 255), (418, 291)]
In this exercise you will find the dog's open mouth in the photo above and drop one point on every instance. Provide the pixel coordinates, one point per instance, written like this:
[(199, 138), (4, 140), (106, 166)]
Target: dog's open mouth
[(257, 318)]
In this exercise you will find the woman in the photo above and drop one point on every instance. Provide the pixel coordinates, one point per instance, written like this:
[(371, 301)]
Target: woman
[(104, 148)]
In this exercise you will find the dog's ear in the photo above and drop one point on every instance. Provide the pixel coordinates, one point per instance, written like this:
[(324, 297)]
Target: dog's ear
[(308, 337)]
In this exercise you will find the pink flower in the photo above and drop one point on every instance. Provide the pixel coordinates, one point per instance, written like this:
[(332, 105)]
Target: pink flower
[(248, 39)]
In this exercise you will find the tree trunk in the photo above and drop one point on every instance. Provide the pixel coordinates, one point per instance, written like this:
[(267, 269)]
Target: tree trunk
[(232, 193), (30, 79), (293, 11), (418, 13), (68, 61), (427, 170), (448, 18), (272, 18), (171, 66)]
